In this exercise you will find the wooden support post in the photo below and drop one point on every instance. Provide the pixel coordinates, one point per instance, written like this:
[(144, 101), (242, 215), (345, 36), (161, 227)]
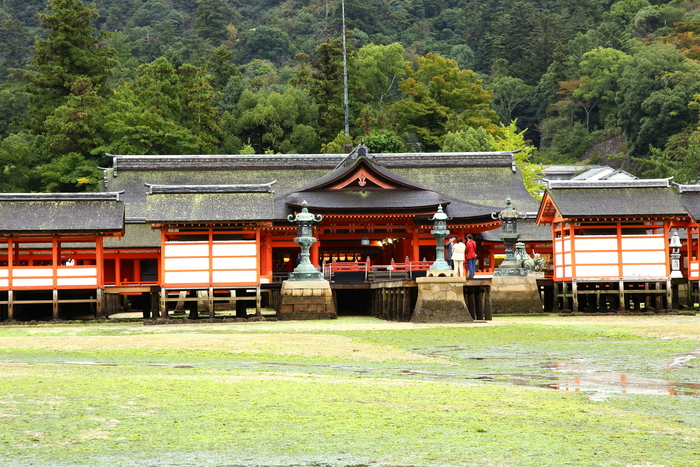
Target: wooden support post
[(658, 299), (163, 303), (621, 293), (10, 305), (211, 302), (385, 303), (55, 303), (479, 302), (407, 304), (488, 311), (258, 304), (564, 298), (574, 296), (471, 305), (100, 304), (669, 295), (155, 309), (647, 297)]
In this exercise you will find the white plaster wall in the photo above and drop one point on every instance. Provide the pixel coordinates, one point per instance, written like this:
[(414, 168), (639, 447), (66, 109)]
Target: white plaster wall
[(235, 263), (596, 244), (597, 271), (186, 249), (235, 249), (225, 277), (187, 277), (186, 264), (644, 243)]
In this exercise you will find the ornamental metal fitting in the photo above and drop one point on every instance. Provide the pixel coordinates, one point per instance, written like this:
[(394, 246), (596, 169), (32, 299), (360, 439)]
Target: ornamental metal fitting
[(304, 216), (509, 217)]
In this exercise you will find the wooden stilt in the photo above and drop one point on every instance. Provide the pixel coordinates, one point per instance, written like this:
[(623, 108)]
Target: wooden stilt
[(100, 304), (163, 304), (574, 296), (55, 303), (621, 292), (10, 305), (488, 311)]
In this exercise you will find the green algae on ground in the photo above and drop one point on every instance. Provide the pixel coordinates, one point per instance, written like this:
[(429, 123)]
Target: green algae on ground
[(74, 413), (212, 408)]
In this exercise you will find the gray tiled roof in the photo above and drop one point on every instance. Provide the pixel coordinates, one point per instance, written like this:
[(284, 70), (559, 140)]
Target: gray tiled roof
[(209, 207), (61, 212), (690, 198), (135, 236), (617, 201), (472, 182)]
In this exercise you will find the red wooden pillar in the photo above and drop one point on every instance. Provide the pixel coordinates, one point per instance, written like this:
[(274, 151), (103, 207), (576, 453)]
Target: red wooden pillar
[(313, 253), (416, 246)]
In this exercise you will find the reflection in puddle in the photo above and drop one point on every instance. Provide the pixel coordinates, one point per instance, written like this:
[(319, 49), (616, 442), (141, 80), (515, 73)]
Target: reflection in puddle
[(577, 377)]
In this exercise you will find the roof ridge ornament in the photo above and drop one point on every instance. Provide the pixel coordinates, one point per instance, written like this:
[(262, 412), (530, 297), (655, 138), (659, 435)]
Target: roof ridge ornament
[(360, 151)]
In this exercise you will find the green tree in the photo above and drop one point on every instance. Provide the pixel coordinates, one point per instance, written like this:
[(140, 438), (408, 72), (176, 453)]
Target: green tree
[(467, 140), (439, 98), (384, 141), (132, 127), (211, 19), (508, 93), (381, 68), (600, 70), (73, 50), (323, 79), (267, 43), (75, 126), (69, 173), (18, 161), (508, 138), (656, 88), (281, 123)]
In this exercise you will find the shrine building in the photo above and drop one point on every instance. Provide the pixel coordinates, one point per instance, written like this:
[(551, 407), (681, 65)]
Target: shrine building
[(611, 243), (214, 231)]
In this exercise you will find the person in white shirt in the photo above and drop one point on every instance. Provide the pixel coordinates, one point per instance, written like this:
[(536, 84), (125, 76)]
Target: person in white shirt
[(458, 257)]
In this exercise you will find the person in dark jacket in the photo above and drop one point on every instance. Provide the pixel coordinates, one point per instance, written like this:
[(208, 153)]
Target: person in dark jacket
[(448, 250)]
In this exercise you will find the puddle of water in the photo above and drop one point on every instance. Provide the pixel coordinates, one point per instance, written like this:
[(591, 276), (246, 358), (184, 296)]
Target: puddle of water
[(88, 363), (682, 360)]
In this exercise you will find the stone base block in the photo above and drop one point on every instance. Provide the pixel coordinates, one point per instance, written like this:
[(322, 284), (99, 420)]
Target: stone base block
[(306, 300), (441, 300), (515, 295)]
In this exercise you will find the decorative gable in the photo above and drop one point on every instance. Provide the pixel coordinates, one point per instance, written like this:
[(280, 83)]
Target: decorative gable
[(363, 179)]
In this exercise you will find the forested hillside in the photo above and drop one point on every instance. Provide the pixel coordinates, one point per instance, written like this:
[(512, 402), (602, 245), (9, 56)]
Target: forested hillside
[(562, 78)]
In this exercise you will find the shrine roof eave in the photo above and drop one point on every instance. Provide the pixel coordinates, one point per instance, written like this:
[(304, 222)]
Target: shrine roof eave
[(617, 202), (610, 219), (61, 215)]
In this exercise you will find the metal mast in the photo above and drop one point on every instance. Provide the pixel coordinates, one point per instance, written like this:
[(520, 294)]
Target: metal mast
[(345, 74)]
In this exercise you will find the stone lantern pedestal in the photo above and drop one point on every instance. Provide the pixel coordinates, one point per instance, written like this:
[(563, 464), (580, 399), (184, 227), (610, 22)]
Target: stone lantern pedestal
[(441, 300), (306, 300), (440, 293), (513, 288), (305, 295)]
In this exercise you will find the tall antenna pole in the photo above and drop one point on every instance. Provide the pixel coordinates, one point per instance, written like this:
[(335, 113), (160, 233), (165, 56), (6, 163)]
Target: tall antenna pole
[(345, 75)]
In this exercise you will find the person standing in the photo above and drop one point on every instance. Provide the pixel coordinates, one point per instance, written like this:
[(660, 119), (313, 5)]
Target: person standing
[(470, 255), (448, 250), (458, 257)]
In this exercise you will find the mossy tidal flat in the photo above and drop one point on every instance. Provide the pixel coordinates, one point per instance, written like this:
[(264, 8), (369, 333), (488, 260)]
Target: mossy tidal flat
[(354, 391)]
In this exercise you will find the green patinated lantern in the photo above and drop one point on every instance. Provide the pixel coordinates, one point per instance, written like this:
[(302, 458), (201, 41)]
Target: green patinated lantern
[(305, 271), (510, 266), (440, 232)]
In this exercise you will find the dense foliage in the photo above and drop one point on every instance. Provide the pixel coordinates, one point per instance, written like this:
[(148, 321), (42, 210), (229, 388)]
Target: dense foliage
[(78, 81)]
